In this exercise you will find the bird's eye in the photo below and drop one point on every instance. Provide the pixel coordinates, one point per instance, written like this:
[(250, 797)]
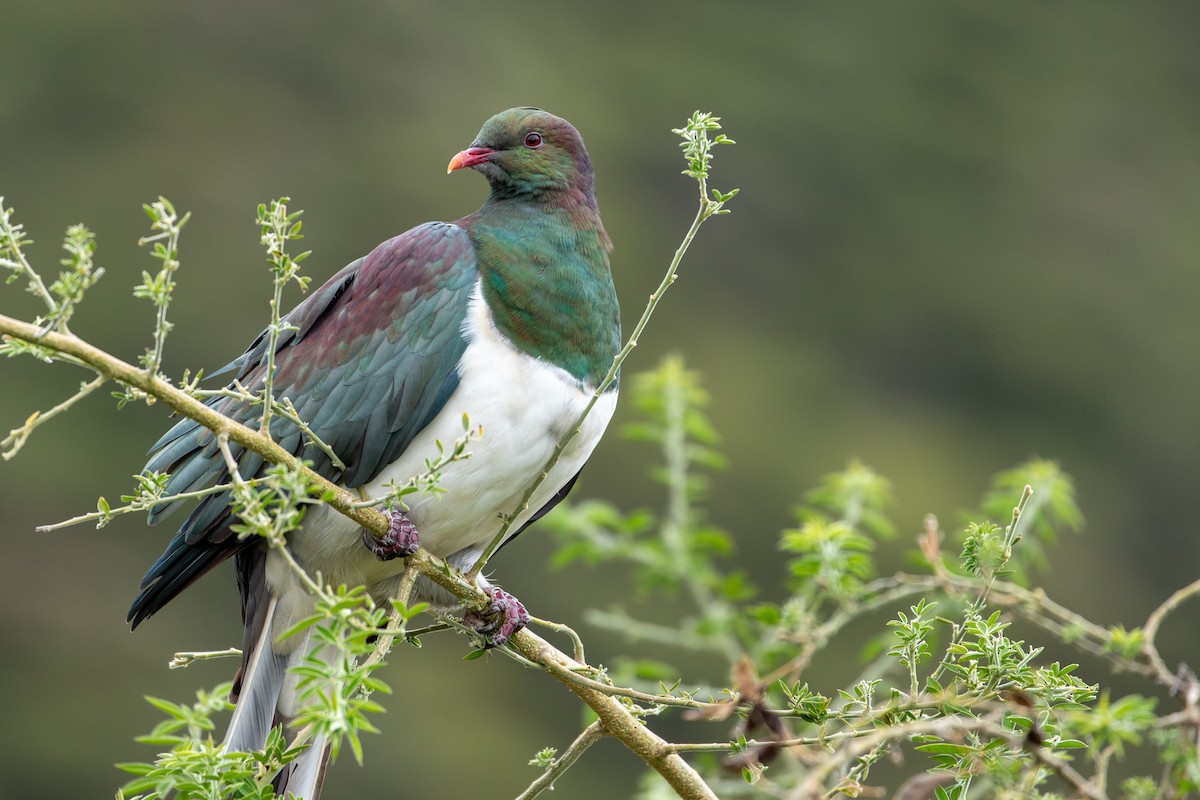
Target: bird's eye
[(533, 140)]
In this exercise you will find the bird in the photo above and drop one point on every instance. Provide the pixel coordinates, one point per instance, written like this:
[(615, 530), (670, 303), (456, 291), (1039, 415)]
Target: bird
[(508, 315)]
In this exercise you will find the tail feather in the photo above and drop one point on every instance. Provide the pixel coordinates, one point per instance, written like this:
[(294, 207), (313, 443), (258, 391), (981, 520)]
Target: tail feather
[(305, 776), (261, 683), (264, 689)]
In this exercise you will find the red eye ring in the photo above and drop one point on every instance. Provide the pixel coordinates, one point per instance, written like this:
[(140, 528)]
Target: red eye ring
[(533, 139)]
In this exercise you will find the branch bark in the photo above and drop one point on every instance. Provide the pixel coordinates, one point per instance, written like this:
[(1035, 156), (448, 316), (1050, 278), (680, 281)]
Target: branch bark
[(615, 717)]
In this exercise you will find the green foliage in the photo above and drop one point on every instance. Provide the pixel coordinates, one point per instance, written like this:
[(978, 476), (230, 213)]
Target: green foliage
[(13, 242), (832, 560), (1116, 724), (197, 768), (79, 276), (679, 550), (1180, 758), (167, 225), (1126, 644), (270, 509), (697, 151), (334, 687), (278, 227), (65, 292), (544, 757), (912, 635), (857, 495), (336, 680), (806, 704), (839, 524), (1139, 788), (984, 708), (985, 550), (1051, 510)]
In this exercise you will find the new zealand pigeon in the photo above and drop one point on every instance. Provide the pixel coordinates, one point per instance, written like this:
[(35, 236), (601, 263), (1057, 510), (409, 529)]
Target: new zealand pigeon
[(508, 315)]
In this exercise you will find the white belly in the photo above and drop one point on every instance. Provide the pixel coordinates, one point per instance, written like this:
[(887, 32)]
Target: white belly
[(524, 407)]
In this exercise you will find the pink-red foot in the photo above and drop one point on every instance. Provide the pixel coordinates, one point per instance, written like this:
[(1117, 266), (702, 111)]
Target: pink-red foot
[(503, 617), (401, 540)]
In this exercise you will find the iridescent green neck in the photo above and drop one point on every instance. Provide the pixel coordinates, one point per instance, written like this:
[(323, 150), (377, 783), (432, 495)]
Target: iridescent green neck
[(545, 275)]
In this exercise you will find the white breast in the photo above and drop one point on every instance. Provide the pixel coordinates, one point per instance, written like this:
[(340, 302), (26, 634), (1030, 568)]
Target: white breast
[(524, 406)]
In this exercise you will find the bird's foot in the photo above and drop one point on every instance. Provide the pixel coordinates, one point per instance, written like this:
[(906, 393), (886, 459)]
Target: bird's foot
[(496, 623), (401, 540)]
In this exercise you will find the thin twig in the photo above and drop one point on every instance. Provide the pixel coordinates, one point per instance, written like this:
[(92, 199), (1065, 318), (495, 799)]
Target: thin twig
[(1150, 633), (875, 595), (140, 505), (396, 622), (560, 627), (170, 226), (573, 675), (12, 234), (187, 658), (287, 410), (436, 627), (283, 407), (590, 735), (278, 545), (636, 630), (17, 437)]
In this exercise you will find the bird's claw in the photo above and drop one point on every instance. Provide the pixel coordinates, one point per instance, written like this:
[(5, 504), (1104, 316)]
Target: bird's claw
[(496, 623), (400, 541)]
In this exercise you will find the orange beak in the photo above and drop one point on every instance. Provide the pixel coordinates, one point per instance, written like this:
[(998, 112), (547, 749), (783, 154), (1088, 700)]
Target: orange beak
[(469, 158)]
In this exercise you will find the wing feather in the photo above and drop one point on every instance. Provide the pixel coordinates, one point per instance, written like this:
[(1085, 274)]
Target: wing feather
[(372, 358)]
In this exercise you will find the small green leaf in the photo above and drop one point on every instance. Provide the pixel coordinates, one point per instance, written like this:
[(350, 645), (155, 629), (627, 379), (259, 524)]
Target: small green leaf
[(944, 748), (1070, 744)]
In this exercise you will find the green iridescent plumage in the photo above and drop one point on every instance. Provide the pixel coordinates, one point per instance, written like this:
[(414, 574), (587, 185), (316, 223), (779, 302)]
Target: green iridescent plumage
[(542, 250), (531, 279)]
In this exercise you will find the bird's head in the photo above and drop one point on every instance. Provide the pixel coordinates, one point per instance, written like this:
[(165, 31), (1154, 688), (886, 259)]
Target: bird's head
[(527, 151)]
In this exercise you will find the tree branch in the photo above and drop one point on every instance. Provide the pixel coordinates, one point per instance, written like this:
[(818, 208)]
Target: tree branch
[(616, 718)]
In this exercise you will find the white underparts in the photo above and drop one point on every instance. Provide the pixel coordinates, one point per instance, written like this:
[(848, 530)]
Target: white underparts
[(524, 406)]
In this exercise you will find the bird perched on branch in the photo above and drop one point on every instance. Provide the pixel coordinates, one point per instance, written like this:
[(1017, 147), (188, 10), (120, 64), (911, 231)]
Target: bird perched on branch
[(508, 315)]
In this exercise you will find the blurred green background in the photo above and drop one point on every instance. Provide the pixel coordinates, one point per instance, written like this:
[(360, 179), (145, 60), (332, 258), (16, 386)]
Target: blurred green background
[(968, 234)]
